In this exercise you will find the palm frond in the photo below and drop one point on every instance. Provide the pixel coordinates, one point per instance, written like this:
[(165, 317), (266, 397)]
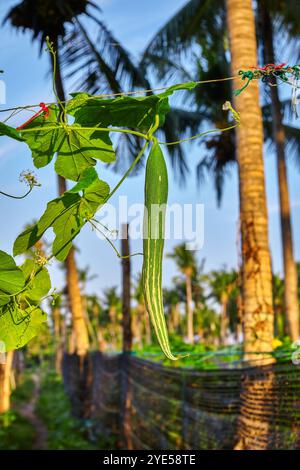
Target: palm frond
[(292, 135), (46, 17), (181, 124), (99, 66), (218, 162), (196, 21)]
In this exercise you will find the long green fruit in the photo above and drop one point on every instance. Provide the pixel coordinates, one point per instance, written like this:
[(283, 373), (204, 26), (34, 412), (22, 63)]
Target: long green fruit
[(156, 197)]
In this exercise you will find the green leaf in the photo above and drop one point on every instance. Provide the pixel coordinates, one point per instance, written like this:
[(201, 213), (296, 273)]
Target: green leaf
[(4, 299), (9, 132), (58, 212), (86, 179), (124, 111), (17, 326), (76, 148), (45, 141), (66, 215), (11, 278), (38, 284), (79, 150), (96, 194)]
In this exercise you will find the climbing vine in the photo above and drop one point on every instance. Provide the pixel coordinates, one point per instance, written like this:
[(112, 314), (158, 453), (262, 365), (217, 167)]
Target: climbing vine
[(77, 135)]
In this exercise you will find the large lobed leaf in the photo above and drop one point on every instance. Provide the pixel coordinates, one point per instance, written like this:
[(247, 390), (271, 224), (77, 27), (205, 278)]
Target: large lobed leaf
[(37, 280), (11, 278), (123, 111), (66, 215), (76, 148), (18, 326), (20, 290)]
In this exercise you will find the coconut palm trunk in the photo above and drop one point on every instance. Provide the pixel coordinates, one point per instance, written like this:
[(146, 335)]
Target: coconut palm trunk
[(58, 338), (137, 326), (257, 279), (5, 382), (73, 288), (189, 309), (290, 271), (224, 318), (258, 314), (148, 336)]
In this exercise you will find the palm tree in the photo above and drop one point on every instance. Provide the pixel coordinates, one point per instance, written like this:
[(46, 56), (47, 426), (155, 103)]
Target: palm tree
[(113, 306), (141, 321), (58, 330), (222, 284), (290, 273), (258, 317), (94, 312), (172, 300), (5, 381), (58, 19), (208, 325), (257, 276), (186, 262)]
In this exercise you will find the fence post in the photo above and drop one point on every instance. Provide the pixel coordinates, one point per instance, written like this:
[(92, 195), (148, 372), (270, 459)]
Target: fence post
[(127, 341), (184, 428), (126, 295)]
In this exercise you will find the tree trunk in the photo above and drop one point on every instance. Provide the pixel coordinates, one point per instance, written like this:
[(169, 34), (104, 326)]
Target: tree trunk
[(126, 391), (58, 339), (290, 271), (74, 294), (224, 319), (102, 345), (257, 277), (189, 310), (126, 295), (258, 314), (170, 320), (5, 378), (147, 327), (137, 325)]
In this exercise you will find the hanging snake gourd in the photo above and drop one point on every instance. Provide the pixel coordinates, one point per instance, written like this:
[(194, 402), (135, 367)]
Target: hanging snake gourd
[(156, 197)]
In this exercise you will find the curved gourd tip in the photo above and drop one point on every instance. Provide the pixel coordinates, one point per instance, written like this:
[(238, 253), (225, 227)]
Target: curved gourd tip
[(169, 355)]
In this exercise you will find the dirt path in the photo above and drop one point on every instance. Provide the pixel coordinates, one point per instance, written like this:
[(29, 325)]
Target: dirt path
[(27, 410)]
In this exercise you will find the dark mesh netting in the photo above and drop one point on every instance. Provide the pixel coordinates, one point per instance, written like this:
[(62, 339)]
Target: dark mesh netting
[(180, 408)]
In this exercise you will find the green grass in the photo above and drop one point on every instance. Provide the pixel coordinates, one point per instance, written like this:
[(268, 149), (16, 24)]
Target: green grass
[(64, 431), (24, 391), (16, 432), (201, 356)]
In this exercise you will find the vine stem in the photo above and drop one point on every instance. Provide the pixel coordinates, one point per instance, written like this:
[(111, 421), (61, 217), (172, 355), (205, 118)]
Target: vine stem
[(102, 129), (211, 131), (127, 131), (62, 116), (111, 243), (16, 197), (128, 93)]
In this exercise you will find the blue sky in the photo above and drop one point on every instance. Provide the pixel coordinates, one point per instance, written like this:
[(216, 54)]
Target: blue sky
[(28, 81)]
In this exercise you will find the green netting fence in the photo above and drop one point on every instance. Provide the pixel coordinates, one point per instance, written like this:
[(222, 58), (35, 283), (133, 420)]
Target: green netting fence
[(145, 405)]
